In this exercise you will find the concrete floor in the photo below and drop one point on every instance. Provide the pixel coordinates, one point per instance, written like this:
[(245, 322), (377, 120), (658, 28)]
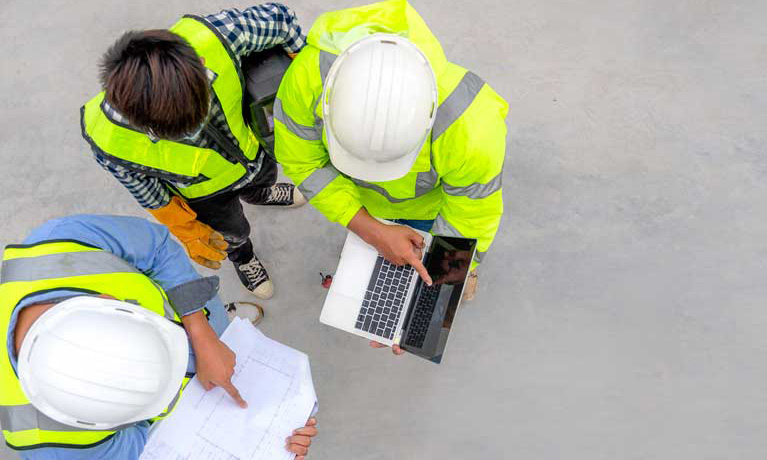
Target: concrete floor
[(621, 312)]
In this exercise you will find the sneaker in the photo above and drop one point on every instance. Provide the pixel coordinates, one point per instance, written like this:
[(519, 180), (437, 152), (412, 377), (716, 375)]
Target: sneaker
[(246, 310), (284, 194), (253, 276)]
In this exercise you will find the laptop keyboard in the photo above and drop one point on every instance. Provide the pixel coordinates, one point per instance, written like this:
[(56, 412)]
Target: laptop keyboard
[(384, 299), (422, 312)]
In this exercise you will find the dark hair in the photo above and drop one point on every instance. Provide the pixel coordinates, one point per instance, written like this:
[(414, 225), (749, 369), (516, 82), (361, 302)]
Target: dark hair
[(156, 80)]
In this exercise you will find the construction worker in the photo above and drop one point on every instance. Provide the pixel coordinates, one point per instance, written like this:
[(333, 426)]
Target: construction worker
[(374, 122), (169, 126), (116, 317)]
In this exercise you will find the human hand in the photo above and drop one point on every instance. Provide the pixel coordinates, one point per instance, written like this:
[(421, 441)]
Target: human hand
[(401, 245), (394, 348), (301, 439), (215, 367)]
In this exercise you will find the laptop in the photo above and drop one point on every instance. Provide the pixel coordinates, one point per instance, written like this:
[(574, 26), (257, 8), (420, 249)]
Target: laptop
[(374, 299)]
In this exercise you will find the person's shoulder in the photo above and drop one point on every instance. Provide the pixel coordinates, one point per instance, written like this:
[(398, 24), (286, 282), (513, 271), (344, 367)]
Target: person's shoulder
[(101, 220), (470, 130), (84, 227), (304, 75), (307, 59)]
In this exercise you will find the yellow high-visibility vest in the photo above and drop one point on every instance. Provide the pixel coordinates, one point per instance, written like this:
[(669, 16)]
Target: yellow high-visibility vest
[(457, 176), (200, 172), (74, 266)]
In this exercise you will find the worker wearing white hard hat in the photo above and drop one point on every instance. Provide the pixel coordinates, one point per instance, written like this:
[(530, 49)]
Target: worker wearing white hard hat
[(99, 363), (379, 106), (372, 121), (106, 320)]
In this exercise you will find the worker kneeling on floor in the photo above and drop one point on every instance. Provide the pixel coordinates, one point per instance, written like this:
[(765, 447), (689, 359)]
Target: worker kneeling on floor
[(374, 122), (106, 321)]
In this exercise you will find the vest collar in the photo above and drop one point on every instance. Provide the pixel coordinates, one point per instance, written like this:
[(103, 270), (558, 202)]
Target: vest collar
[(119, 119)]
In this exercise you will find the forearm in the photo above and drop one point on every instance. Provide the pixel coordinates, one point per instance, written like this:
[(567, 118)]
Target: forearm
[(332, 194), (259, 27), (306, 163), (200, 334), (365, 226), (339, 201)]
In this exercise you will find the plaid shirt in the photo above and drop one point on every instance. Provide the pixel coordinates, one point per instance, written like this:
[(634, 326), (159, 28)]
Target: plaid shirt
[(252, 30)]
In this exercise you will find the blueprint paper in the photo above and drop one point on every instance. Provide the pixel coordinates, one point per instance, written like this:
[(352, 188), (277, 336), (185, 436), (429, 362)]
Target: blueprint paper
[(276, 382)]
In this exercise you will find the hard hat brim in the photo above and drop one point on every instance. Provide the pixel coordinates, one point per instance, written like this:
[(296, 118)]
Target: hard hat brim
[(368, 171)]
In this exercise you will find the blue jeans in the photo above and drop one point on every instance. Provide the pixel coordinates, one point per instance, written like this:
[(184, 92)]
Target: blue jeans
[(422, 225)]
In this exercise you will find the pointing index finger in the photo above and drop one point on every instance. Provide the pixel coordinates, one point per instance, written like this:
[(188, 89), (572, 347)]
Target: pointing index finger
[(416, 263), (235, 394)]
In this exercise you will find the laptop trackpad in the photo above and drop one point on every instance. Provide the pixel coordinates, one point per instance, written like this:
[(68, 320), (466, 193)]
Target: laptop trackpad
[(357, 262)]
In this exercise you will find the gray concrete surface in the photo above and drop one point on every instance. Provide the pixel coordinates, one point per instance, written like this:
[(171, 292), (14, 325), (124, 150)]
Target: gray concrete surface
[(621, 314)]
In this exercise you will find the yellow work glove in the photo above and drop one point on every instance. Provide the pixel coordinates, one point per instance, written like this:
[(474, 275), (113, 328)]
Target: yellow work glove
[(203, 244)]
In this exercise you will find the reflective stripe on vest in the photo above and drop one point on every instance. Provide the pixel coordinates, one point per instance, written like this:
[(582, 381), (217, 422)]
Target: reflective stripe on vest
[(451, 110), (50, 265), (198, 172), (326, 62), (476, 190), (307, 133), (26, 417), (69, 265), (456, 103), (318, 180)]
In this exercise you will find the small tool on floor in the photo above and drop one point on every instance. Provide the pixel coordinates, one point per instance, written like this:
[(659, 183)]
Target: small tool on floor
[(327, 280)]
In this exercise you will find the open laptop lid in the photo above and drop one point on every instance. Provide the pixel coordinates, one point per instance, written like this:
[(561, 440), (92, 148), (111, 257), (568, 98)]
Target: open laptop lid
[(448, 262)]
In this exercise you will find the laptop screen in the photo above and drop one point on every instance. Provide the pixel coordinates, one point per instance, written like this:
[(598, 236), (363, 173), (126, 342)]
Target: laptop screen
[(431, 317)]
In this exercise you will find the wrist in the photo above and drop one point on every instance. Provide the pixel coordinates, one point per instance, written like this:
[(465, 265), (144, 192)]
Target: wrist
[(175, 213), (374, 233), (197, 329), (367, 227)]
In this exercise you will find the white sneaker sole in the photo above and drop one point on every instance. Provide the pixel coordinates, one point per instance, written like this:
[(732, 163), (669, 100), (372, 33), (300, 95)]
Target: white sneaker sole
[(264, 291), (298, 199)]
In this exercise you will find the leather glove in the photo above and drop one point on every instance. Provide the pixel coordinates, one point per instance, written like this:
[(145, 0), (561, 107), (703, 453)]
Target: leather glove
[(203, 244)]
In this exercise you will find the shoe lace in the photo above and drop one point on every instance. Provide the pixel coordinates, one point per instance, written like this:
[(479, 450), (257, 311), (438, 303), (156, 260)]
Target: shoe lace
[(281, 193), (254, 272)]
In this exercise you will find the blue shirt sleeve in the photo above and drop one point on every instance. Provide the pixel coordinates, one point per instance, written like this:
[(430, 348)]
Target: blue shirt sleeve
[(145, 245)]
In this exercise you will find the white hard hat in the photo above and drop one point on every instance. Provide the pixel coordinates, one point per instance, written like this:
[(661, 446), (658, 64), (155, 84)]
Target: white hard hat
[(379, 104), (98, 363)]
